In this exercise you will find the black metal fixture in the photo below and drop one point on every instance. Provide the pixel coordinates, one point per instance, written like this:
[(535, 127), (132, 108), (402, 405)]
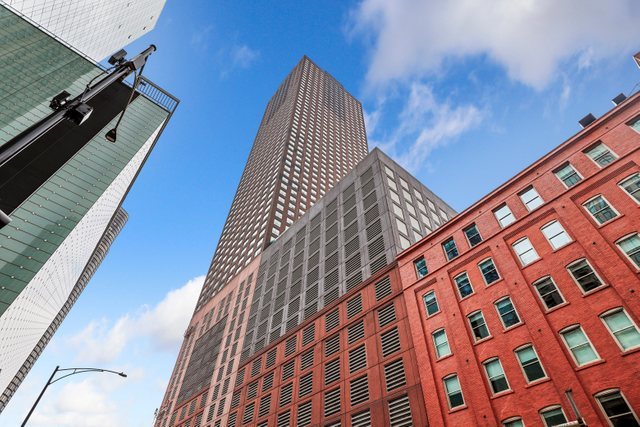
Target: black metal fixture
[(636, 58), (4, 219), (71, 371), (587, 120)]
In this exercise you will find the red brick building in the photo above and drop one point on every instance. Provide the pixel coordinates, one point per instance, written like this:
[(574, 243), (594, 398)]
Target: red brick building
[(526, 304)]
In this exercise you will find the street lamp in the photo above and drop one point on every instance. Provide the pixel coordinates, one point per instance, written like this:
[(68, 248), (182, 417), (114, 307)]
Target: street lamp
[(71, 371)]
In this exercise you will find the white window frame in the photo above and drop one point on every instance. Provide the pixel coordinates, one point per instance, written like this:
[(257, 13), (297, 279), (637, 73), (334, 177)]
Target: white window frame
[(593, 160), (444, 384), (531, 188), (455, 282), (549, 238), (555, 172), (566, 344), (603, 284), (624, 190), (613, 311), (473, 336), (513, 246), (524, 374), (495, 305), (464, 231), (564, 301), (435, 345), (607, 392), (495, 214), (550, 408), (494, 266), (598, 223), (504, 374), (637, 267), (426, 309), (512, 419)]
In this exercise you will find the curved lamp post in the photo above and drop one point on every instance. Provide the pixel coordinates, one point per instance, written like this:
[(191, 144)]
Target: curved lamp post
[(68, 373)]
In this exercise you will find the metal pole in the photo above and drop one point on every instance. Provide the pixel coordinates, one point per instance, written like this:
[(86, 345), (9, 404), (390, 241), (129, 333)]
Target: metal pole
[(55, 371), (16, 145)]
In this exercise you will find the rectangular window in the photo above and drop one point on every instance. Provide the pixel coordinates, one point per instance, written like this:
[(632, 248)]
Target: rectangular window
[(553, 416), (525, 251), (635, 125), (421, 267), (507, 312), (531, 198), (513, 422), (496, 376), (441, 343), (454, 393), (548, 292), (600, 209), (568, 175), (478, 326), (473, 235), (530, 363), (616, 408), (430, 303), (463, 284), (631, 186), (579, 345), (622, 328), (489, 271), (555, 234), (584, 275), (450, 248), (630, 245), (600, 154), (503, 215)]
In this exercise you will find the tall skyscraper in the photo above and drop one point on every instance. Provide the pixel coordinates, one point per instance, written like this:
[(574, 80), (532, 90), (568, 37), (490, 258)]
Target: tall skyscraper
[(95, 28), (314, 218), (63, 192), (312, 134)]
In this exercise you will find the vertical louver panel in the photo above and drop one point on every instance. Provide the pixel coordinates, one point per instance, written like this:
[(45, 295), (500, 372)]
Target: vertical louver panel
[(306, 360), (232, 420), (252, 390), (235, 399), (309, 334), (332, 345), (290, 346), (400, 412), (332, 371), (267, 382), (306, 384), (286, 393), (331, 320), (390, 341), (357, 359), (383, 288), (354, 306), (387, 315), (355, 332), (271, 358), (283, 419), (361, 419), (394, 375), (288, 370), (304, 414), (265, 405), (359, 390), (332, 402), (248, 413)]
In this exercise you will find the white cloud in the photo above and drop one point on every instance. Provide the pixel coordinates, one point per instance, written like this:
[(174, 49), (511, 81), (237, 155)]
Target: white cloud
[(162, 325), (243, 56), (425, 124), (529, 38)]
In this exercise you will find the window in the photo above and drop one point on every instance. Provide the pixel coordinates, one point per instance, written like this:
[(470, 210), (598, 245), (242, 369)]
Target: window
[(622, 328), (632, 186), (548, 292), (600, 154), (636, 124), (421, 267), (441, 343), (507, 312), (525, 251), (600, 209), (489, 271), (450, 249), (464, 285), (616, 408), (454, 393), (503, 215), (430, 303), (530, 363), (513, 422), (553, 416), (473, 235), (630, 245), (555, 234), (478, 326), (568, 175), (579, 345), (496, 376), (531, 198), (584, 275)]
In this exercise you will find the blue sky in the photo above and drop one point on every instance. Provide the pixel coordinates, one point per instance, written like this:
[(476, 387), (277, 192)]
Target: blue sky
[(463, 93)]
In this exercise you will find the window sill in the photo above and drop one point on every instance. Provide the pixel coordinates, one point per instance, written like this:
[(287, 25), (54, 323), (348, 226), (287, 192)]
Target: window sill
[(502, 393), (561, 247), (439, 359), (537, 382), (531, 263), (500, 279), (485, 339), (458, 408), (604, 224), (594, 290), (590, 364), (513, 327), (431, 316), (466, 297), (557, 307), (630, 351)]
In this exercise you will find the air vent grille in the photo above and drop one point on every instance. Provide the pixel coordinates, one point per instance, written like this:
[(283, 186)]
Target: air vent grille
[(390, 342), (359, 390), (400, 412), (394, 375), (355, 332), (332, 371), (332, 402)]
